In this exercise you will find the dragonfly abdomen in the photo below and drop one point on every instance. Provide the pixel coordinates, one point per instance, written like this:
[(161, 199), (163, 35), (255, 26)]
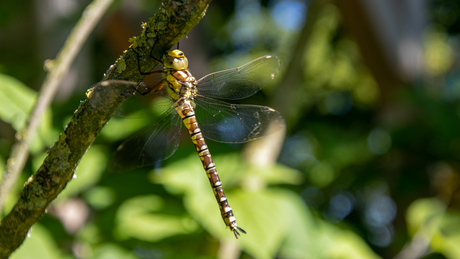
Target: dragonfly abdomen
[(186, 112)]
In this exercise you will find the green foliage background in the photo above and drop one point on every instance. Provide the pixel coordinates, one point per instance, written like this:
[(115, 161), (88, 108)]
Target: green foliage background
[(348, 184)]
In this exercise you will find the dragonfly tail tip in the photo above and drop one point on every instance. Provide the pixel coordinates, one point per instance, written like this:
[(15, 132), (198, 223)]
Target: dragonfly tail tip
[(237, 234)]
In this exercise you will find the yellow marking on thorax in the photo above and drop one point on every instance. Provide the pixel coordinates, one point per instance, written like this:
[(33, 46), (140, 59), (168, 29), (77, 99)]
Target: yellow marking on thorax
[(174, 82)]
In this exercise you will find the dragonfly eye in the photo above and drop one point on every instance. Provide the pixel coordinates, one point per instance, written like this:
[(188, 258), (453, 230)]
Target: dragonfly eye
[(175, 53), (175, 59)]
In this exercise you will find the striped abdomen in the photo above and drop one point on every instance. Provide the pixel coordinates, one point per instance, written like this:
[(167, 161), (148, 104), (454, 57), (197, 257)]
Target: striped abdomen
[(187, 113)]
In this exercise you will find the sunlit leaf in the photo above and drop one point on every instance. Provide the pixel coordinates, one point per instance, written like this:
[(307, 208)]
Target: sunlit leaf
[(100, 197), (267, 215), (16, 101), (88, 172), (449, 235), (422, 212), (277, 221), (276, 174), (2, 167), (429, 220), (46, 133), (113, 251), (136, 218), (332, 241), (39, 244)]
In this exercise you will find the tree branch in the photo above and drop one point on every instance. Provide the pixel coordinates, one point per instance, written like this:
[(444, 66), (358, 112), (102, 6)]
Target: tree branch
[(172, 21)]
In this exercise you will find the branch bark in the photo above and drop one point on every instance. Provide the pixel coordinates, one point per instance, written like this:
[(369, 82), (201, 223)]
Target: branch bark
[(172, 21)]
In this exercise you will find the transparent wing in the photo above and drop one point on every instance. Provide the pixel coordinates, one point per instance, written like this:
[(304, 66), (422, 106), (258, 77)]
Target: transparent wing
[(240, 82), (235, 123), (144, 106), (149, 145)]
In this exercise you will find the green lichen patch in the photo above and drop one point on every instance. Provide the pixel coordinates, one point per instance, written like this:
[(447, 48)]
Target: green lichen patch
[(121, 65)]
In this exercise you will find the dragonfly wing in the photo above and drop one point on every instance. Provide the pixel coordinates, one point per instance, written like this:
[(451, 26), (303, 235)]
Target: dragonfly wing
[(149, 145), (235, 123), (240, 82)]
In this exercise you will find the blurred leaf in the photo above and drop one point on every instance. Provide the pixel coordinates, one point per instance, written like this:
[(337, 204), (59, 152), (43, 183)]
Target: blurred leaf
[(188, 174), (90, 234), (39, 244), (276, 174), (2, 166), (439, 54), (335, 242), (449, 235), (345, 242), (429, 220), (88, 172), (200, 202), (16, 101), (334, 63), (232, 170), (136, 218), (321, 174), (120, 128), (46, 134), (113, 251), (100, 197), (276, 220), (271, 217), (136, 113), (422, 213)]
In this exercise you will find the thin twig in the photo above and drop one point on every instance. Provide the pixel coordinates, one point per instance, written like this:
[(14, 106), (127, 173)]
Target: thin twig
[(57, 69)]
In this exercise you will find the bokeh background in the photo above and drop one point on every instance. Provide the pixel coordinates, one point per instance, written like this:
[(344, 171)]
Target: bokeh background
[(368, 166)]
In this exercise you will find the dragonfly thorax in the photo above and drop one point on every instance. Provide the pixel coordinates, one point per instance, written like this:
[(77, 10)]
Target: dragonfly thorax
[(181, 82)]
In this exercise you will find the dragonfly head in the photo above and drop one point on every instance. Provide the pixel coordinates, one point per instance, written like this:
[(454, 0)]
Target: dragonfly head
[(175, 59)]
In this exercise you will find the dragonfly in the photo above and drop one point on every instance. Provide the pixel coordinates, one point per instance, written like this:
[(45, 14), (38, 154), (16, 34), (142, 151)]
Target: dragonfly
[(193, 101)]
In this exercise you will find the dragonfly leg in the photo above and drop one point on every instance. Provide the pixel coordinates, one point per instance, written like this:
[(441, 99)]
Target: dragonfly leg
[(144, 89), (139, 63)]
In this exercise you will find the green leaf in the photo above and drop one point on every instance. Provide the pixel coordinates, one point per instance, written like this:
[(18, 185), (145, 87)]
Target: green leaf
[(88, 173), (429, 220), (331, 241), (39, 244), (137, 218), (113, 251), (100, 197), (16, 101), (276, 220), (46, 134)]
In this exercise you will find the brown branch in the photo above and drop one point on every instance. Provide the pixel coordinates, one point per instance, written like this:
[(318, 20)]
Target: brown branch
[(172, 21)]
